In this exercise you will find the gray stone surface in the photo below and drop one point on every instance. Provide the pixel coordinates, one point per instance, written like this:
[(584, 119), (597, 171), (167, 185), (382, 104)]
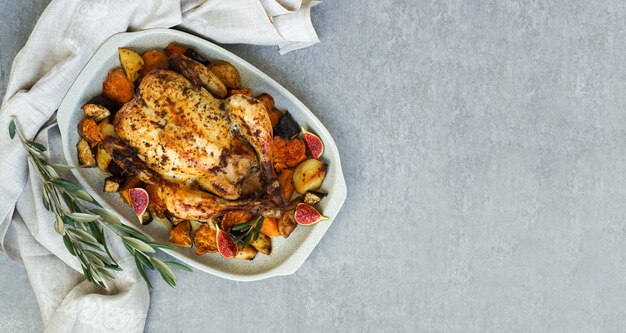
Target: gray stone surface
[(483, 145)]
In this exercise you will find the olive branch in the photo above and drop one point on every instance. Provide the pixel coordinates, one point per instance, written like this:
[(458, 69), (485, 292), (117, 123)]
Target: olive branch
[(81, 221)]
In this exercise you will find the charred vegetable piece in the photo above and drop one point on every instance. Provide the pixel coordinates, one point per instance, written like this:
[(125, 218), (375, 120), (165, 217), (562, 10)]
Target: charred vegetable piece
[(173, 48), (275, 116), (191, 53), (270, 227), (309, 175), (116, 170), (245, 91), (267, 100), (312, 198), (233, 218), (117, 87), (103, 159), (226, 72), (287, 153), (109, 104), (287, 223), (88, 130), (179, 235), (287, 128), (85, 156), (154, 59), (132, 63), (204, 240), (285, 179), (263, 244), (247, 253), (96, 111), (112, 184)]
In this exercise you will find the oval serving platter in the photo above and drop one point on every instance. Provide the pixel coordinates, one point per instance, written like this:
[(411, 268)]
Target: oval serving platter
[(287, 254)]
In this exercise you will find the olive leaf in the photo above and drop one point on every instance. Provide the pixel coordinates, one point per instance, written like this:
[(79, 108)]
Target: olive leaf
[(12, 129)]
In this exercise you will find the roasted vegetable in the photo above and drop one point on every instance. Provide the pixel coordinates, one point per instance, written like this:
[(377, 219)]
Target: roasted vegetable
[(116, 170), (131, 182), (173, 48), (117, 87), (88, 130), (275, 116), (312, 198), (179, 235), (154, 59), (226, 72), (287, 153), (106, 129), (234, 218), (287, 128), (204, 240), (263, 244), (247, 253), (103, 159), (85, 156), (287, 223), (156, 205), (191, 53), (309, 175), (112, 184), (270, 227), (132, 63), (96, 111), (285, 179), (267, 100), (109, 104), (243, 91)]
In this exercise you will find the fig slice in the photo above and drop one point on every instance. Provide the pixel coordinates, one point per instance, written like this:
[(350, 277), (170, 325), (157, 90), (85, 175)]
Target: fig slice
[(225, 244), (313, 143), (307, 215), (139, 200)]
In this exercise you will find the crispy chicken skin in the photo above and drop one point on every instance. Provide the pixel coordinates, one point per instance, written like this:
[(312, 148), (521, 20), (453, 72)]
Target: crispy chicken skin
[(191, 139)]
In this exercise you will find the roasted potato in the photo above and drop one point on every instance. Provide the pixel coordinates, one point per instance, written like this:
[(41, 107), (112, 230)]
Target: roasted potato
[(96, 111), (226, 72), (287, 223), (270, 226), (103, 159), (287, 153), (247, 253), (234, 218), (88, 130), (106, 129), (309, 175), (117, 87), (243, 91), (132, 63), (179, 235), (154, 59), (204, 240), (112, 184), (263, 244), (85, 156), (173, 48), (285, 179)]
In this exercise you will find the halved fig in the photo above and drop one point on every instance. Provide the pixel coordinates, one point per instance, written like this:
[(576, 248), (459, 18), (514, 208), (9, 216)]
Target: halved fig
[(225, 244), (313, 143), (139, 200), (307, 215)]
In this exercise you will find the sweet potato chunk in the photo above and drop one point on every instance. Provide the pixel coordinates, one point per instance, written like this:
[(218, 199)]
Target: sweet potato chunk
[(179, 235), (204, 240), (270, 227), (287, 153), (88, 130), (154, 59), (234, 218), (243, 91), (173, 48), (275, 116), (117, 87), (285, 179)]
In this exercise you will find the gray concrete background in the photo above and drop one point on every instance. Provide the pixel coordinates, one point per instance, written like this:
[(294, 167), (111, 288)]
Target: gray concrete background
[(483, 144)]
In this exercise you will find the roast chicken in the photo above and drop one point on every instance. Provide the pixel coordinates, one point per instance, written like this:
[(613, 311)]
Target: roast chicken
[(208, 156)]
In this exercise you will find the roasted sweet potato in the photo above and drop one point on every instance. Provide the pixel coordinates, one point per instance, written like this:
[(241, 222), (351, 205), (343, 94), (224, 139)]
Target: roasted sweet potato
[(132, 63), (179, 235), (275, 116), (85, 156), (309, 175), (88, 130), (287, 153), (247, 253), (267, 100), (270, 227), (204, 240), (234, 218), (287, 223), (226, 72), (154, 59), (173, 48), (117, 87), (243, 91), (263, 244), (156, 204), (96, 111), (285, 179), (112, 184)]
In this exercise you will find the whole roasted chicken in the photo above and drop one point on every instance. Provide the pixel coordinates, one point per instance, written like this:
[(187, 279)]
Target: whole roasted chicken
[(208, 156)]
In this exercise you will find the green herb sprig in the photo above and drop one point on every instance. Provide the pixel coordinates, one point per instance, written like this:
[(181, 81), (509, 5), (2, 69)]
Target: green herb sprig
[(81, 221), (244, 233)]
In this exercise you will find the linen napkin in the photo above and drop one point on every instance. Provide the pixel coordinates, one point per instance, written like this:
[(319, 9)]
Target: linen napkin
[(63, 40)]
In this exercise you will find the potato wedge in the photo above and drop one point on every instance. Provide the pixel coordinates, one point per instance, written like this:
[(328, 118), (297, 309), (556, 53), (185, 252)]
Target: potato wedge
[(309, 175), (226, 72), (154, 59), (247, 253), (96, 111), (287, 153), (204, 240), (287, 223), (180, 234), (112, 184), (132, 63), (234, 218), (88, 130), (263, 244), (117, 87), (285, 179), (270, 227), (103, 159), (86, 159), (106, 129)]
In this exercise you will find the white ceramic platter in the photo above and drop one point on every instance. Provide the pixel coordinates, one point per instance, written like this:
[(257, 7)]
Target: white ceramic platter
[(287, 254)]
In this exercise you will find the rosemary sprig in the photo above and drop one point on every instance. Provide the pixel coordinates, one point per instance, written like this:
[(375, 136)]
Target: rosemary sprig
[(81, 221), (244, 233)]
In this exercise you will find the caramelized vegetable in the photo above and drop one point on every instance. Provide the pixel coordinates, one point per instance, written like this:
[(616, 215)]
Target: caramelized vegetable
[(96, 111), (247, 253), (287, 223), (106, 129), (275, 116), (112, 184), (245, 91), (154, 59), (85, 156), (287, 128), (263, 244), (234, 218), (204, 240), (285, 179), (270, 227), (173, 48), (179, 235), (156, 204), (88, 130), (132, 63), (287, 153), (226, 72), (117, 87), (309, 175)]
